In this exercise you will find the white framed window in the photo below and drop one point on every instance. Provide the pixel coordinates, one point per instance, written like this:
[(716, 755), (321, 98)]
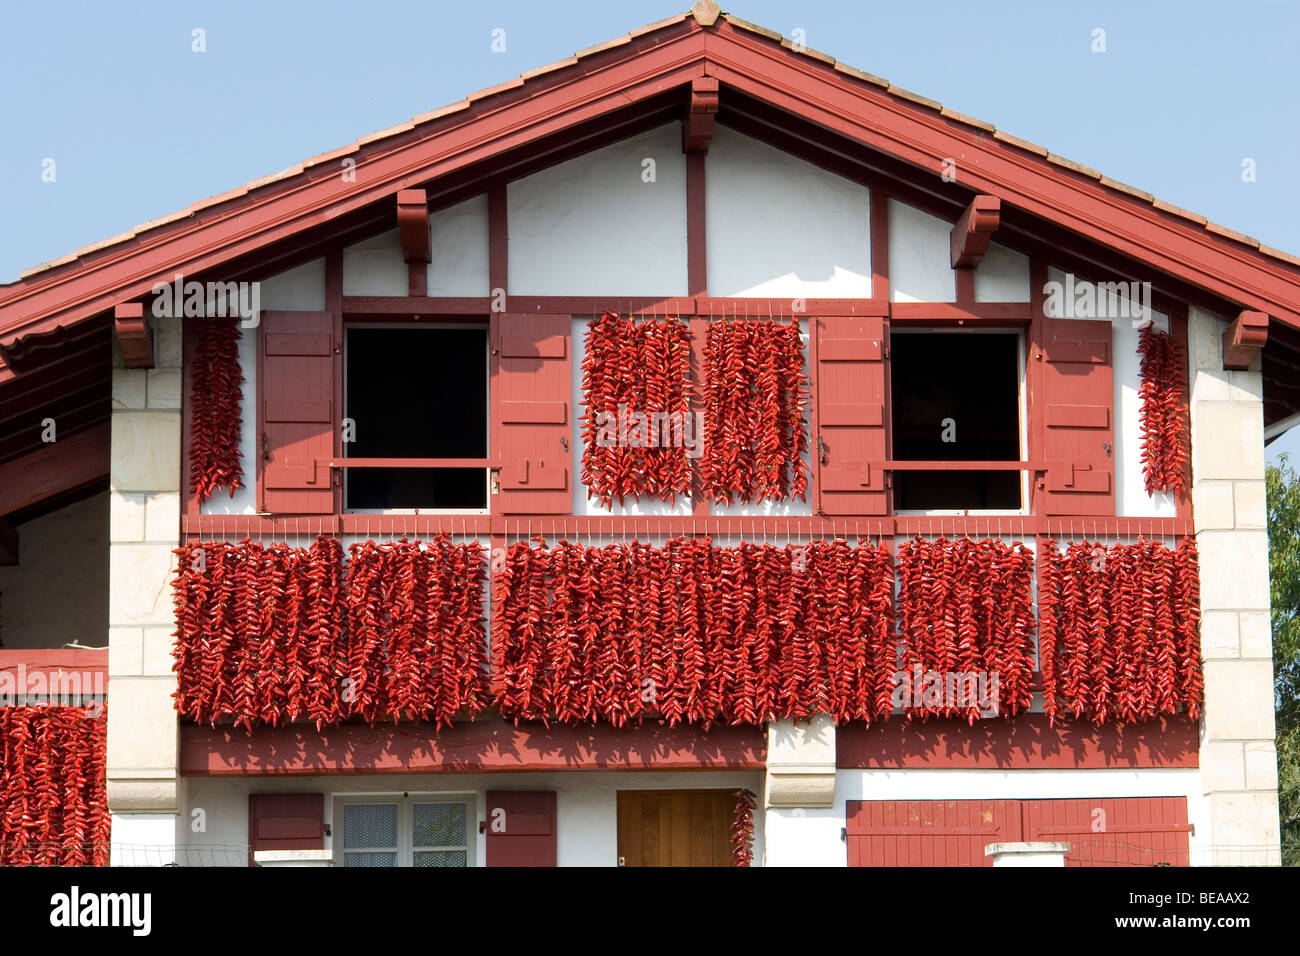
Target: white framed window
[(392, 830)]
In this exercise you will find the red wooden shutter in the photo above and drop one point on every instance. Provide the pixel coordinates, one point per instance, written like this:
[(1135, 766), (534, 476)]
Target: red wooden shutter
[(531, 389), (521, 828), (296, 383), (928, 832), (1119, 831), (1078, 426), (286, 821), (850, 412)]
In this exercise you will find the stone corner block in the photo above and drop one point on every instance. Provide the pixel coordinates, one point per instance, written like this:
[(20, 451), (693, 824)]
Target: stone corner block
[(146, 452), (147, 795)]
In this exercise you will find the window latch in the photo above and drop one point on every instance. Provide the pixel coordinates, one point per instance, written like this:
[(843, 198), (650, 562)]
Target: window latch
[(822, 455), (266, 448)]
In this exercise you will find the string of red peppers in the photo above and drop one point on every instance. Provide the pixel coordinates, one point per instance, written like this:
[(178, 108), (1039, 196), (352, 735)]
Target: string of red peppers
[(966, 614), (53, 803), (635, 382), (1163, 422), (1120, 631), (742, 829), (215, 395), (756, 394), (693, 633), (276, 634)]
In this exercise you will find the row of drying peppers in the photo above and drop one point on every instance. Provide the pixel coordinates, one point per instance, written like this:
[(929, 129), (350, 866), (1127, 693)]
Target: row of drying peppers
[(966, 607), (639, 430), (1163, 420), (694, 633), (687, 632), (215, 396), (53, 804), (1120, 631), (271, 634)]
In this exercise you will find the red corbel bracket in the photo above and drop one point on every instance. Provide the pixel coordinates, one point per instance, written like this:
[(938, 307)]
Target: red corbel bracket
[(134, 334), (413, 222), (1243, 339), (697, 126), (974, 230)]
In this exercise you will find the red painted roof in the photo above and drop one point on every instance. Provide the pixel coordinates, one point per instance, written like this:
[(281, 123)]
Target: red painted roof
[(749, 61)]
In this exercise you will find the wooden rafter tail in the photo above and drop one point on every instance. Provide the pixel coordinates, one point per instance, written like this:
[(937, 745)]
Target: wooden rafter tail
[(1243, 339), (134, 334)]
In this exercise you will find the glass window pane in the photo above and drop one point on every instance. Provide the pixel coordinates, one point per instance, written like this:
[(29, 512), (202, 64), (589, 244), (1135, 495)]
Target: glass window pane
[(370, 859), (369, 824), (440, 858), (439, 824)]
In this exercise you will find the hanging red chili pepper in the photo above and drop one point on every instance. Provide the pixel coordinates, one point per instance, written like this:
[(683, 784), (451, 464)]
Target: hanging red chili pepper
[(1163, 422), (215, 423), (755, 399), (53, 808), (742, 829)]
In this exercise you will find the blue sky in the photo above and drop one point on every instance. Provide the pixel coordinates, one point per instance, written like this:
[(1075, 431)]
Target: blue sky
[(139, 125)]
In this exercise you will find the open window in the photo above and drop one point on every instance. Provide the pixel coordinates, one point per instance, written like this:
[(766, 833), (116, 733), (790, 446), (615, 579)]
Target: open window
[(416, 417), (956, 397)]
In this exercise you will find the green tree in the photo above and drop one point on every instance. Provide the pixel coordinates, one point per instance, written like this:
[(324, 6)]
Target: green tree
[(1284, 573)]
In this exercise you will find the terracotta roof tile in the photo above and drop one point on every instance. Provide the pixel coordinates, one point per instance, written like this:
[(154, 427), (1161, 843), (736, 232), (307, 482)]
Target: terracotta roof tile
[(1072, 165), (1227, 233), (1020, 143), (441, 111), (915, 97), (968, 120), (602, 47), (549, 68), (1279, 254), (274, 177), (332, 154), (162, 221), (752, 27), (494, 90), (104, 243), (1126, 188), (218, 199), (652, 27), (808, 51), (51, 264), (861, 75), (1179, 211)]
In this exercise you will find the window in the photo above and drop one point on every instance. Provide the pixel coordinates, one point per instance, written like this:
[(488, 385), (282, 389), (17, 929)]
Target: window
[(416, 392), (955, 396), (402, 831)]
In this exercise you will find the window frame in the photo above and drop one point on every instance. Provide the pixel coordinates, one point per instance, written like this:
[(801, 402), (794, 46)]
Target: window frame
[(470, 322), (1022, 391), (405, 803)]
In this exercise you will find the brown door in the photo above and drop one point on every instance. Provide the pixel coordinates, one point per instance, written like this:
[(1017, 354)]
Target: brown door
[(675, 827)]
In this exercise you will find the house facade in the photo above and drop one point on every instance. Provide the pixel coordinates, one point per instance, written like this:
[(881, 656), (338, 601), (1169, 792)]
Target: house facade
[(697, 451)]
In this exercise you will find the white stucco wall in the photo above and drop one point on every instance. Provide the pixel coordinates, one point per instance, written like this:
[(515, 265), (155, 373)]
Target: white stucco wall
[(920, 264), (458, 240), (593, 226), (586, 804), (778, 226), (301, 288), (375, 266), (58, 591), (1002, 275), (811, 837), (1131, 498)]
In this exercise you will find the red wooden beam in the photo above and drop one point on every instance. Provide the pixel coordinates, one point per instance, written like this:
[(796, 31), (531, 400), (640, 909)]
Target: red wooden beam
[(701, 110), (974, 230), (1243, 339), (487, 745), (1028, 742), (133, 334), (54, 469), (413, 223)]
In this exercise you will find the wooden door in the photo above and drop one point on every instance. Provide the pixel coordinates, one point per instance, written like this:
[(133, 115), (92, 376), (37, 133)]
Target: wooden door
[(675, 827)]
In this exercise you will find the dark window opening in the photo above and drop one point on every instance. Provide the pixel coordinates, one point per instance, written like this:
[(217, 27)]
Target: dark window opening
[(417, 393), (955, 397)]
